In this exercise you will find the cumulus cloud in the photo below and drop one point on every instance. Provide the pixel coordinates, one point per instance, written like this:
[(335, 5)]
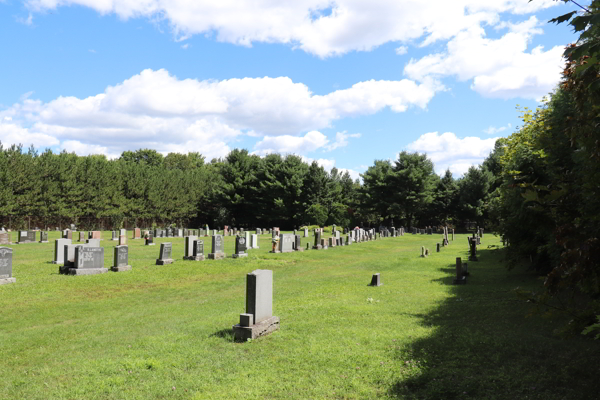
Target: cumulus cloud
[(287, 144), (401, 50), (320, 27), (156, 110), (341, 140), (499, 68), (449, 151)]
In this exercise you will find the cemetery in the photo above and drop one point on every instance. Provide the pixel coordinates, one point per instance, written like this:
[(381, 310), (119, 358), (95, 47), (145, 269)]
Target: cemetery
[(265, 316)]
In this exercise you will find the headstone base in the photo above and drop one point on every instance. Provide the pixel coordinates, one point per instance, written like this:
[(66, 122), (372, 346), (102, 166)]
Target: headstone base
[(196, 258), (43, 241), (216, 256), (317, 247), (239, 255), (6, 281), (299, 249), (263, 328), (274, 251), (460, 281), (121, 269), (165, 261), (151, 244), (87, 271)]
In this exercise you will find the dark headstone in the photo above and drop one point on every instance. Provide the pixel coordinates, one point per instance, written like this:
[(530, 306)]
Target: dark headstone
[(240, 247), (149, 239), (165, 254), (121, 259), (88, 261), (376, 280), (198, 250), (218, 248), (26, 237)]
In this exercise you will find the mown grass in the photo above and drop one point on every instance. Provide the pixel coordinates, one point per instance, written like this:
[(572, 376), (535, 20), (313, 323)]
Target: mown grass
[(160, 332)]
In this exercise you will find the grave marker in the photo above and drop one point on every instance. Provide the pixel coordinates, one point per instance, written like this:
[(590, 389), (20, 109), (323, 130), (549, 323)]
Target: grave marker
[(88, 261), (240, 247), (188, 252), (164, 256), (149, 239), (218, 252), (6, 277), (43, 237), (137, 233), (286, 243), (59, 250), (376, 280), (26, 237), (120, 259), (258, 319), (5, 238)]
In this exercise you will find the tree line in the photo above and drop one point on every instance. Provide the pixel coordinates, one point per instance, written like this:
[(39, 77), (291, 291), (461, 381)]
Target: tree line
[(145, 188)]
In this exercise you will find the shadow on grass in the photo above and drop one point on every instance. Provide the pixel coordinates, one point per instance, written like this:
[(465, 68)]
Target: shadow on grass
[(226, 334), (484, 347)]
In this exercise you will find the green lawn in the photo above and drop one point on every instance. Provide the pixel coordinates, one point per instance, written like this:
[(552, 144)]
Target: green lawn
[(165, 331)]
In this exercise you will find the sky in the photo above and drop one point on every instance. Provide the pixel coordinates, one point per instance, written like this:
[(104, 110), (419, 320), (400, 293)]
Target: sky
[(342, 82)]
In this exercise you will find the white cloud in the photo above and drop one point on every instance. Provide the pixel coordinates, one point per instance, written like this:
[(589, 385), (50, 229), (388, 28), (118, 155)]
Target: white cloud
[(12, 133), (26, 21), (352, 25), (287, 144), (185, 46), (449, 151), (492, 130), (401, 50), (341, 140), (500, 68), (156, 110)]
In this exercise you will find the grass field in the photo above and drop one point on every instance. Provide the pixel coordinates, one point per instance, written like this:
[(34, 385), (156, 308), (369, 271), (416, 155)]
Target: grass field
[(164, 332)]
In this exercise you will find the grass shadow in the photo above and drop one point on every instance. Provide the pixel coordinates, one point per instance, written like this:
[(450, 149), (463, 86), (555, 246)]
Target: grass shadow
[(226, 334), (484, 347)]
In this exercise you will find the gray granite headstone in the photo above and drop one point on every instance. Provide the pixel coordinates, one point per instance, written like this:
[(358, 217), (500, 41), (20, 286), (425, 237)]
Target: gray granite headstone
[(59, 250), (258, 320), (218, 246), (26, 237), (5, 238), (6, 254), (88, 261), (254, 241), (115, 236), (376, 280), (317, 245), (43, 237), (286, 242), (121, 259), (165, 254), (93, 242), (188, 253)]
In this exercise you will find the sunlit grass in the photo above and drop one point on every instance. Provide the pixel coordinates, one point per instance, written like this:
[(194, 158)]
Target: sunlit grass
[(165, 331)]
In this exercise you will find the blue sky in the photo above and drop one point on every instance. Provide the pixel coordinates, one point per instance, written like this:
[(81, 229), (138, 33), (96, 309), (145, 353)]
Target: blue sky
[(342, 82)]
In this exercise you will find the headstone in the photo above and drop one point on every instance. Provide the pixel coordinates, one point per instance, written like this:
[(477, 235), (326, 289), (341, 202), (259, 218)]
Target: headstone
[(88, 261), (121, 259), (317, 245), (218, 247), (137, 233), (67, 234), (376, 280), (286, 242), (473, 249), (258, 320), (324, 244), (164, 256), (188, 252), (254, 241), (59, 250), (241, 245), (5, 238), (43, 237), (437, 247), (149, 239), (198, 250), (6, 277), (331, 242), (123, 232), (82, 236), (26, 237), (461, 278), (305, 232), (93, 242), (96, 235), (423, 251), (298, 244), (122, 240)]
